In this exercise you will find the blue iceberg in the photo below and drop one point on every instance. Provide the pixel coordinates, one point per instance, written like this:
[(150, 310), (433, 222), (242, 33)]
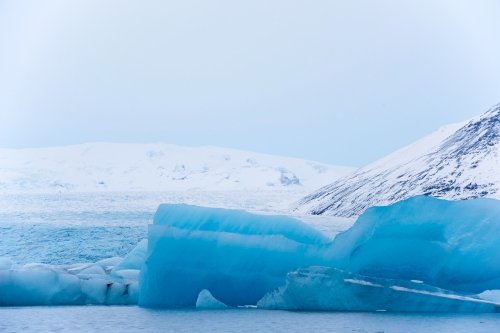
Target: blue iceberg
[(240, 257), (325, 288), (453, 245), (79, 284), (235, 255), (207, 301)]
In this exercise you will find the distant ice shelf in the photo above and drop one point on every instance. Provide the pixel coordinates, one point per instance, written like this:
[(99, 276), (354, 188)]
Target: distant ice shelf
[(111, 167)]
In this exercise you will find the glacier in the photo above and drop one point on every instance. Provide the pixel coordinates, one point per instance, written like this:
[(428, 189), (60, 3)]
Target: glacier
[(325, 288), (240, 257)]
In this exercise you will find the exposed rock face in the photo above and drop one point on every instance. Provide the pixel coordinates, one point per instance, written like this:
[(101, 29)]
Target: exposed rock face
[(457, 162)]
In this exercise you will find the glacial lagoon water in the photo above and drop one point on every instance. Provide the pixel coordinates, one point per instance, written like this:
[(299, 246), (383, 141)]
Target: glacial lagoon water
[(135, 319)]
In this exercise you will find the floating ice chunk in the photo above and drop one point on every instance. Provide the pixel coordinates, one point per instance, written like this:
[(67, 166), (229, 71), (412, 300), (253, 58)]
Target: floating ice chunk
[(42, 284), (122, 294), (129, 274), (94, 290), (43, 267), (454, 245), (114, 294), (38, 287), (109, 263), (134, 260), (133, 293), (236, 255), (240, 256), (490, 295), (324, 288), (207, 301), (234, 221), (77, 268), (94, 270), (5, 263)]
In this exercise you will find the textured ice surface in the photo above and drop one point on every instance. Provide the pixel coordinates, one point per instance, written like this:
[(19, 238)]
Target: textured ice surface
[(98, 167), (42, 284), (454, 245), (236, 255), (5, 263), (236, 222), (133, 261), (240, 256), (490, 295), (88, 227), (324, 288), (207, 301), (63, 244)]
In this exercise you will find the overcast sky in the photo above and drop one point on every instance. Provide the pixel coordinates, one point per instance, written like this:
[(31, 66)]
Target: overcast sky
[(341, 82)]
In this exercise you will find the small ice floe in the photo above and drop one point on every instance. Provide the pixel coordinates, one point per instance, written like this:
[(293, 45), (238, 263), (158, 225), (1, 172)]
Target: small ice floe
[(490, 295), (94, 269), (77, 268), (207, 301), (128, 274)]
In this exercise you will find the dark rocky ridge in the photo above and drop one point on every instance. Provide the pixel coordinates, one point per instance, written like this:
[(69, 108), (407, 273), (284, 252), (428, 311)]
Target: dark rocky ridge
[(457, 162)]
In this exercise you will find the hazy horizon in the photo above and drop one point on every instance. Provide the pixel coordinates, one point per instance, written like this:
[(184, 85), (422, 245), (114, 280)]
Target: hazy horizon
[(343, 83)]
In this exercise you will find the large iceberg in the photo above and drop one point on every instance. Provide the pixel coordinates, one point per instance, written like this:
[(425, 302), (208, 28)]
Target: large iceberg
[(325, 288), (420, 254), (239, 257), (236, 255), (453, 245)]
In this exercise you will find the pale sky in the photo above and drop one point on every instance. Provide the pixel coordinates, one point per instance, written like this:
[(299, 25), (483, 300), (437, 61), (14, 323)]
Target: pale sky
[(341, 82)]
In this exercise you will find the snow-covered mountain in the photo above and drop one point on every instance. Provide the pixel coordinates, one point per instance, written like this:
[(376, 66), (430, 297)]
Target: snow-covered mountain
[(458, 161), (156, 167)]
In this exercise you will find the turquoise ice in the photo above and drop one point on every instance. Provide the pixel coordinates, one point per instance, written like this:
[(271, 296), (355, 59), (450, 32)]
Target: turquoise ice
[(325, 288), (235, 255), (239, 257), (453, 245)]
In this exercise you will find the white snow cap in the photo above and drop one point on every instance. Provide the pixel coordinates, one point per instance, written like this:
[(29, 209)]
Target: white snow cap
[(456, 162)]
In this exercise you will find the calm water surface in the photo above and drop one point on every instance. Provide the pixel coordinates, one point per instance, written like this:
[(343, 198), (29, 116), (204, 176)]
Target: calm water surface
[(135, 319)]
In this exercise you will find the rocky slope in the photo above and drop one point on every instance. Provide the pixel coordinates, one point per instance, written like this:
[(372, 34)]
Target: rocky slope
[(457, 162)]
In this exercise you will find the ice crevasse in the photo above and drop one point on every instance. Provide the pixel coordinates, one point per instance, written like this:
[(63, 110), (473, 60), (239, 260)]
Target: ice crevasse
[(241, 257)]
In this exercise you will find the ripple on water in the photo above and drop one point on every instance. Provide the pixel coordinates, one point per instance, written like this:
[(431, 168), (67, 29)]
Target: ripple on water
[(133, 319)]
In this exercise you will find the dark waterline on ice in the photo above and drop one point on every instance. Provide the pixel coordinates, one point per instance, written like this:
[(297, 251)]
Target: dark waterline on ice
[(134, 319)]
